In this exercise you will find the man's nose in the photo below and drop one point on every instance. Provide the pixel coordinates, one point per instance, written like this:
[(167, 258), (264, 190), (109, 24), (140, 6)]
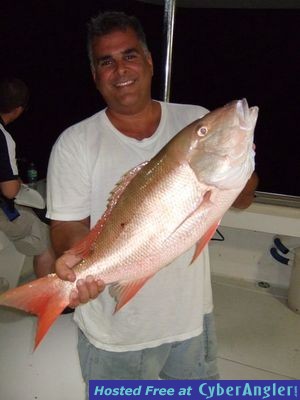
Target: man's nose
[(121, 66)]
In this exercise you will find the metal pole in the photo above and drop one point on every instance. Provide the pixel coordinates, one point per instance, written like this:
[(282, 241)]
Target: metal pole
[(294, 288), (169, 17)]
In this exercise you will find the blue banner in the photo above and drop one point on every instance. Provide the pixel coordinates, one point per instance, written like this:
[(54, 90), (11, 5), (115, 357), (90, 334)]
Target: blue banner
[(194, 390)]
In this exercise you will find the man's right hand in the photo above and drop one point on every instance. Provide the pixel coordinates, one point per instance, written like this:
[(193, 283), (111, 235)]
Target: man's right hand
[(86, 289)]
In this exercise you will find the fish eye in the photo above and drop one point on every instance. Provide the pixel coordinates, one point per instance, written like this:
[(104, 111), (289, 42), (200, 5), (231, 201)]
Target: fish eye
[(202, 131)]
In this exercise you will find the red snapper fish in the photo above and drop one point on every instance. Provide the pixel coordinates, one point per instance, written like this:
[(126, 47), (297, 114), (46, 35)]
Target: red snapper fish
[(158, 210)]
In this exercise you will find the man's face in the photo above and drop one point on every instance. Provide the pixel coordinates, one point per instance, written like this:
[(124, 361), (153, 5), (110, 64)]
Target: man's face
[(122, 70)]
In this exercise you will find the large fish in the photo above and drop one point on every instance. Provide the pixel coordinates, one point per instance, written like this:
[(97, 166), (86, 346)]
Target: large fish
[(158, 210)]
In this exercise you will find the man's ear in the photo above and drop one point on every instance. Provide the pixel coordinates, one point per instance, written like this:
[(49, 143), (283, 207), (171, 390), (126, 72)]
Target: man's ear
[(93, 73), (150, 61), (20, 110)]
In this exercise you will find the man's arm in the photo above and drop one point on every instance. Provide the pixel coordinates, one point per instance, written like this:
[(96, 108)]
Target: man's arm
[(10, 188), (64, 234), (246, 197)]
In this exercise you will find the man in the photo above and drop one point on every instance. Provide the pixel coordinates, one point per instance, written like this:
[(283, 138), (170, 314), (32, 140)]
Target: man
[(167, 329), (29, 235)]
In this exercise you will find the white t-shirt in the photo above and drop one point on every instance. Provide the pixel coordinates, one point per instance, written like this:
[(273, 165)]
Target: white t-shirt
[(86, 162), (8, 163)]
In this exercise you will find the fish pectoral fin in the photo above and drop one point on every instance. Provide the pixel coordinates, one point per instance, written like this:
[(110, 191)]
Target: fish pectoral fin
[(124, 291), (43, 297), (204, 240)]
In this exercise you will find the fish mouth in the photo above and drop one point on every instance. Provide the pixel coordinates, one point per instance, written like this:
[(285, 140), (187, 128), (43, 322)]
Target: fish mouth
[(247, 116)]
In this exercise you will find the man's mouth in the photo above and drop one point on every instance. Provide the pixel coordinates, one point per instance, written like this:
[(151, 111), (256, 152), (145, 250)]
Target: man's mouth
[(124, 83)]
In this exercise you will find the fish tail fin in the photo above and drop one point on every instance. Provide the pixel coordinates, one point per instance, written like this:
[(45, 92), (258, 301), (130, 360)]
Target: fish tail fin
[(43, 297)]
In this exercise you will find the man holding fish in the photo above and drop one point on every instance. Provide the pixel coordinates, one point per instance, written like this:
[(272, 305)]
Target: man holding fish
[(157, 325)]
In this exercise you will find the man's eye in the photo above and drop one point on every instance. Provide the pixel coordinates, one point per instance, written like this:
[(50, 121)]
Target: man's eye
[(130, 56), (104, 63)]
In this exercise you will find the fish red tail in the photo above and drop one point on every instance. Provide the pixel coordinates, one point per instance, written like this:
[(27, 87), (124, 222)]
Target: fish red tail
[(43, 297)]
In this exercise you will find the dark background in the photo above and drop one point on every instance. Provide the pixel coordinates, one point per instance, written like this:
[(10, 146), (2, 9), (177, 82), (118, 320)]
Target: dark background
[(218, 55)]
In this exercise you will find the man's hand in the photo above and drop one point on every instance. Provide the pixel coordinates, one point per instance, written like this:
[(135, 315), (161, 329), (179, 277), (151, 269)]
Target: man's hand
[(87, 289), (246, 197)]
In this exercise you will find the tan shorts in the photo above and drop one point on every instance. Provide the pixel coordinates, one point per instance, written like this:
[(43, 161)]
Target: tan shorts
[(28, 233)]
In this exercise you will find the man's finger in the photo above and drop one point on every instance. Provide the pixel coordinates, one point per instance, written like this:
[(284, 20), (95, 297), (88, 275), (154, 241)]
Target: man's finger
[(87, 289), (74, 301)]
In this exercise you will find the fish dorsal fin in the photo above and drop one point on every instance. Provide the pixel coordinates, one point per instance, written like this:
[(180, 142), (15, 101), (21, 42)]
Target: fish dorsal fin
[(85, 245), (122, 184), (122, 292)]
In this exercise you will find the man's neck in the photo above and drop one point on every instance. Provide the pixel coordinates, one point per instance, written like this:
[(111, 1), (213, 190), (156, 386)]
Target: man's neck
[(139, 125), (3, 119)]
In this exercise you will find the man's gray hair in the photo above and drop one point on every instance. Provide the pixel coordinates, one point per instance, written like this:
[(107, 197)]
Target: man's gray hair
[(111, 21)]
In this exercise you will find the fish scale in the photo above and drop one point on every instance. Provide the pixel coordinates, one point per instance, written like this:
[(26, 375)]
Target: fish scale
[(147, 235)]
